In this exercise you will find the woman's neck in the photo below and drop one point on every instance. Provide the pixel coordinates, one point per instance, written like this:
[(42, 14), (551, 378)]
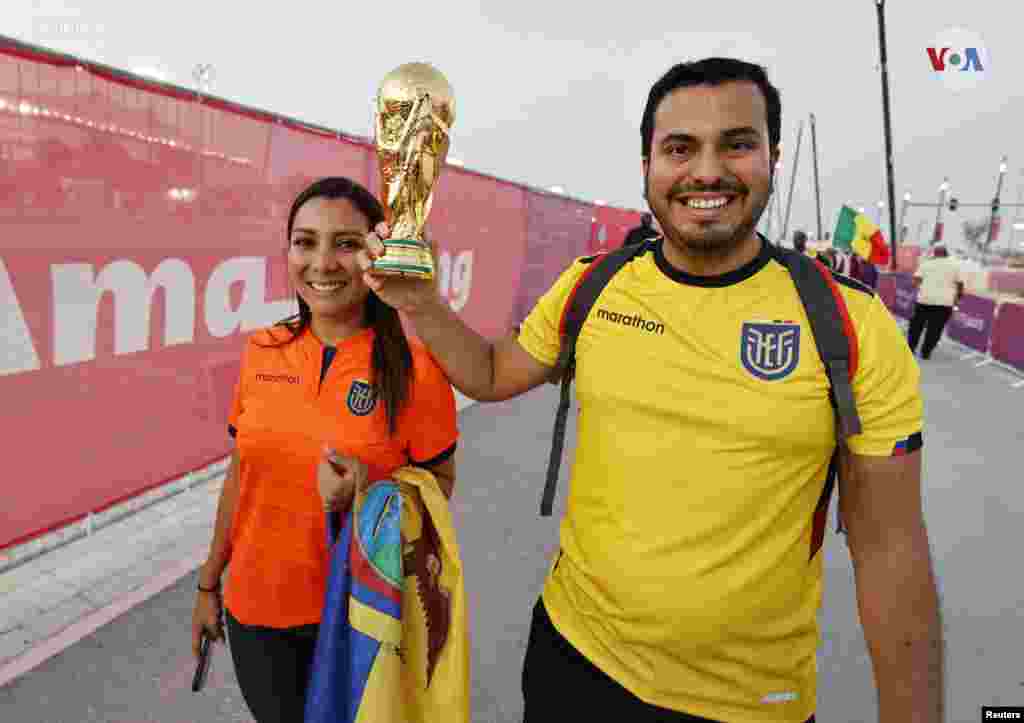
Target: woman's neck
[(332, 331)]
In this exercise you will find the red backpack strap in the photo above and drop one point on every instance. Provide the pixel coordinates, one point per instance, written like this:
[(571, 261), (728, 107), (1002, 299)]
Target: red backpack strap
[(834, 334), (844, 314), (577, 306)]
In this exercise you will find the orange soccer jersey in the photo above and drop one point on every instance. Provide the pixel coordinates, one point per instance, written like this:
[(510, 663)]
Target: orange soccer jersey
[(291, 400)]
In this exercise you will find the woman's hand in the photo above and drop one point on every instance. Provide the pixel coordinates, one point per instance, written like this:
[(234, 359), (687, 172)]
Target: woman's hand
[(338, 477), (406, 294), (206, 615)]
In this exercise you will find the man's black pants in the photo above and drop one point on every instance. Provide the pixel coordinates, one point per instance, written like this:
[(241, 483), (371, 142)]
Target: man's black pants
[(559, 684), (931, 319), (273, 668)]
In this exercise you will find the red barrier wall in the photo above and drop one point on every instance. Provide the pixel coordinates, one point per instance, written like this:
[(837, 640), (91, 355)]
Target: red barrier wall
[(1007, 281), (557, 231), (142, 236), (610, 226)]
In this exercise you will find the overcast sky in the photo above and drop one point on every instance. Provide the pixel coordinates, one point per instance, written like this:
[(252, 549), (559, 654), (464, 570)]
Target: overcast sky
[(552, 92)]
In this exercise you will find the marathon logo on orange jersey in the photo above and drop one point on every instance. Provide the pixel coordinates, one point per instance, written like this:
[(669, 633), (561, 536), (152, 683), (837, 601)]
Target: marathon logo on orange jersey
[(361, 398), (286, 378)]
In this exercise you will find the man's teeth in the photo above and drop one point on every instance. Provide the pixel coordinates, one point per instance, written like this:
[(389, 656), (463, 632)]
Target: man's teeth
[(326, 287), (706, 202)]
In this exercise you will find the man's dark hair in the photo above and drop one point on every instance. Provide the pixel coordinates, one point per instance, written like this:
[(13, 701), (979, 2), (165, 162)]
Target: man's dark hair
[(800, 241), (711, 71)]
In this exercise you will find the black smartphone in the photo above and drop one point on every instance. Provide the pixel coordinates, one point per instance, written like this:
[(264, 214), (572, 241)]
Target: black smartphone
[(203, 667)]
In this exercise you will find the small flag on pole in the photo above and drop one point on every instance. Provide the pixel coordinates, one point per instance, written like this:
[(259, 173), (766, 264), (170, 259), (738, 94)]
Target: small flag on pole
[(858, 234)]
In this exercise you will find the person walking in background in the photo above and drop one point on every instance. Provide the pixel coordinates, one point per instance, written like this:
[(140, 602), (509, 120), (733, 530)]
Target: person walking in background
[(800, 241), (863, 271), (939, 282)]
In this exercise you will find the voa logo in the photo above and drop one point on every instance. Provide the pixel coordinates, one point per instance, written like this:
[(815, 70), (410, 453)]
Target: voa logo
[(959, 59)]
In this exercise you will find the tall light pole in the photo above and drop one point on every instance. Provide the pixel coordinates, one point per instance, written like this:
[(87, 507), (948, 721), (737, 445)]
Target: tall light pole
[(880, 6), (203, 75), (903, 217), (792, 180), (773, 203), (995, 203), (1016, 215), (943, 190), (817, 184)]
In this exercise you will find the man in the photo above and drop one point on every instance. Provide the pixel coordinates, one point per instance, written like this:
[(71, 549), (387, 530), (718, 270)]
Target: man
[(639, 234), (940, 285), (864, 271), (800, 241), (689, 575)]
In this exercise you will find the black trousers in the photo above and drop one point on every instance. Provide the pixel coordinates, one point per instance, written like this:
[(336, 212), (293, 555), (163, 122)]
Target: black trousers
[(932, 320), (559, 684), (273, 668)]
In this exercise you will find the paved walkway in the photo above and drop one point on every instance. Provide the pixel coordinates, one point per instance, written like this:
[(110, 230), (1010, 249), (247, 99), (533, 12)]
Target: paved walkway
[(98, 630)]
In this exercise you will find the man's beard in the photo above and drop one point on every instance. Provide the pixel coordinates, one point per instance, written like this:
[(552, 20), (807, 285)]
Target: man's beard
[(713, 241)]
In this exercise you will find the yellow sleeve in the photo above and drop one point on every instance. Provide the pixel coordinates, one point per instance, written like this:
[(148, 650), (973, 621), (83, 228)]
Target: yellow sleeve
[(539, 332), (887, 387)]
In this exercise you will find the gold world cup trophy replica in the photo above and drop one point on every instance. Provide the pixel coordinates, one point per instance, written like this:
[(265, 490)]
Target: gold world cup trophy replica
[(415, 111)]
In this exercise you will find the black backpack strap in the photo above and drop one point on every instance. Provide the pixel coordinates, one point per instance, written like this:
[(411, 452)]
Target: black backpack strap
[(830, 324), (581, 300)]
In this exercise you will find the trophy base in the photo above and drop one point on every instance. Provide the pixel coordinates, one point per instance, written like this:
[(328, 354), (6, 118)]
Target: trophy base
[(404, 257)]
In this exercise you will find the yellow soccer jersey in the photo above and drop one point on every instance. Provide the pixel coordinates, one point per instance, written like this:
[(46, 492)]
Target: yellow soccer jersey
[(689, 567)]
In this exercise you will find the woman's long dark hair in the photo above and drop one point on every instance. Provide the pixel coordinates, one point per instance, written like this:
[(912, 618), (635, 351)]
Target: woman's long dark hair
[(391, 356)]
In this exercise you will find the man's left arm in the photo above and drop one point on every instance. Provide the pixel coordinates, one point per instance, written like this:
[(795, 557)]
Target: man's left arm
[(880, 500)]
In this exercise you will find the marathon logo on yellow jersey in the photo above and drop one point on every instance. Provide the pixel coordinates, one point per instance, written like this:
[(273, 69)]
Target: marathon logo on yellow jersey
[(770, 350), (636, 321)]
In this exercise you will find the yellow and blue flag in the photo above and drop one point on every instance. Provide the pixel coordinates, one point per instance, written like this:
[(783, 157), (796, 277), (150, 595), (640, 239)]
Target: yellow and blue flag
[(393, 644)]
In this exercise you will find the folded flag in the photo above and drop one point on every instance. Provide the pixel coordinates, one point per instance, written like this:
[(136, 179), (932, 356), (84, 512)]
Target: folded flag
[(393, 643), (858, 234)]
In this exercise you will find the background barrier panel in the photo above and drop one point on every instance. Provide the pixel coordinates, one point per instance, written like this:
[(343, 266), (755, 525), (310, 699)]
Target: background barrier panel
[(141, 233), (887, 290), (1007, 281), (971, 324), (479, 225), (558, 230), (1008, 336), (905, 295), (610, 226)]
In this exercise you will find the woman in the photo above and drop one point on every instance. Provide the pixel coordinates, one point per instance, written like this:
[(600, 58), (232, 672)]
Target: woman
[(327, 400)]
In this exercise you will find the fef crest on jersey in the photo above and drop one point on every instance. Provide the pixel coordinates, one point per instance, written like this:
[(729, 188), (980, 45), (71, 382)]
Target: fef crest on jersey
[(770, 350), (361, 398)]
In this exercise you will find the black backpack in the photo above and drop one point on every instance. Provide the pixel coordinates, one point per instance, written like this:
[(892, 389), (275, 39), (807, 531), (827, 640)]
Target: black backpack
[(830, 325)]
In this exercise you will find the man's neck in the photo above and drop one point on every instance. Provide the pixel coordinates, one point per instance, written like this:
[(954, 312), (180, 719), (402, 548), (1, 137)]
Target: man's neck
[(700, 264)]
